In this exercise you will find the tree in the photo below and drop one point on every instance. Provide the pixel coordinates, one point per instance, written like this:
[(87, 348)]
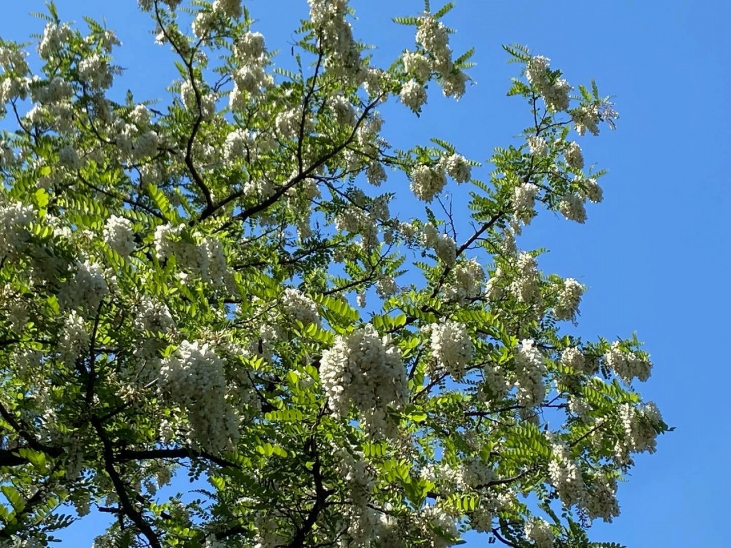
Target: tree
[(179, 289)]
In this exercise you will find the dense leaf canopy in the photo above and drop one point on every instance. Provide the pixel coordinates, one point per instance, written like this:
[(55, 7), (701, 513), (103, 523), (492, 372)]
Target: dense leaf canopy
[(183, 290)]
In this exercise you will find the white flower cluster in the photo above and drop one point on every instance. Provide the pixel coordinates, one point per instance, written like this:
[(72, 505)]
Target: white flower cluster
[(375, 173), (427, 182), (336, 36), (86, 289), (556, 94), (627, 365), (572, 207), (574, 157), (467, 282), (525, 286), (433, 37), (343, 110), (442, 244), (73, 339), (299, 307), (573, 357), (55, 90), (476, 473), (14, 60), (451, 346), (237, 145), (152, 315), (269, 533), (457, 167), (568, 299), (539, 531), (537, 145), (417, 66), (206, 260), (529, 373), (600, 500), (69, 158), (14, 219), (54, 38), (118, 235), (524, 199), (251, 77), (413, 95), (586, 117), (386, 286), (207, 101), (360, 478), (95, 72), (435, 517), (639, 426), (593, 191), (288, 123), (358, 221), (228, 8), (566, 477), (193, 377), (365, 371)]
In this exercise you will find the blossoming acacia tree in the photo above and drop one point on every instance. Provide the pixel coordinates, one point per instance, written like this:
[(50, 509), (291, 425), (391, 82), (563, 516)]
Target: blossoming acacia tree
[(178, 291)]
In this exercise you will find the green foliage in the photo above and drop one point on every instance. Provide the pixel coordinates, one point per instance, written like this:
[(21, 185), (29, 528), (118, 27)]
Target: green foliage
[(216, 289)]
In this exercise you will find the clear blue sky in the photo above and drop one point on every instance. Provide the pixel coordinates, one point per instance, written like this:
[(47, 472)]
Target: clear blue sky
[(655, 254)]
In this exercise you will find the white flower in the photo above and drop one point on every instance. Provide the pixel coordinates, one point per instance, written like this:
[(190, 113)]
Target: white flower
[(413, 95), (451, 346), (537, 145), (454, 84), (14, 218), (427, 182), (627, 365), (344, 111), (375, 174), (572, 207), (555, 95), (593, 191), (417, 66), (54, 38), (288, 123), (229, 8), (443, 244), (524, 196), (457, 167), (86, 289), (146, 145), (299, 307), (193, 377), (251, 46), (538, 530), (566, 476), (365, 371), (118, 235), (386, 286), (95, 72), (574, 157), (586, 117), (529, 373), (467, 282), (569, 297), (152, 315), (432, 36), (73, 339), (525, 287), (68, 157), (573, 357)]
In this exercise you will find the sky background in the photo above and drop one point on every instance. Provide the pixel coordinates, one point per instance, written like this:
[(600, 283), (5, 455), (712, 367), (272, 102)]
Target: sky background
[(655, 253)]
